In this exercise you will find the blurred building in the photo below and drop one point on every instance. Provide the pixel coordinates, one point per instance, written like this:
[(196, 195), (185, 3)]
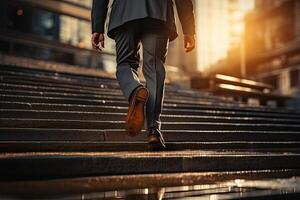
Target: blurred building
[(212, 34), (57, 31), (232, 27), (220, 25), (273, 44)]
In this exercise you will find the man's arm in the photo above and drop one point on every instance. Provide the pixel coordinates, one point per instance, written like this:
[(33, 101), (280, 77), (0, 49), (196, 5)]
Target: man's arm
[(187, 19), (98, 16)]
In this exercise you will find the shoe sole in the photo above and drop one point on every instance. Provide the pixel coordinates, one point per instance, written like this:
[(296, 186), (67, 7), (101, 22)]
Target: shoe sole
[(155, 144), (136, 113)]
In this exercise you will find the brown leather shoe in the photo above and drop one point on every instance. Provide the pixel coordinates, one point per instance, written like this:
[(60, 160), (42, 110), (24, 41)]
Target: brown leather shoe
[(136, 112), (156, 141)]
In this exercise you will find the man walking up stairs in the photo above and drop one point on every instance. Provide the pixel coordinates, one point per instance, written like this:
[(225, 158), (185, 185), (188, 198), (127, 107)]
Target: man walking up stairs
[(152, 24)]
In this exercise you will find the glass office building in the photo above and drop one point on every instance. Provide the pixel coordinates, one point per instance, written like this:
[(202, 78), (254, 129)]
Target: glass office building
[(212, 32)]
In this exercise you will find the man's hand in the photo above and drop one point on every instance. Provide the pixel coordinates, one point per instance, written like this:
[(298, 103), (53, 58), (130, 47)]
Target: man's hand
[(98, 41), (189, 43)]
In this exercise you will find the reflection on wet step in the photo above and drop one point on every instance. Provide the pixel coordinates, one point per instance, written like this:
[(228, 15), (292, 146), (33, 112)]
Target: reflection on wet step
[(233, 189)]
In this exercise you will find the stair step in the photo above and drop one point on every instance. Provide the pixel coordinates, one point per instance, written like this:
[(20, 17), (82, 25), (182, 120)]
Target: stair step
[(100, 146), (25, 81), (10, 88), (106, 116), (57, 78), (179, 104), (63, 165), (123, 109), (55, 134), (99, 96), (80, 124), (38, 88)]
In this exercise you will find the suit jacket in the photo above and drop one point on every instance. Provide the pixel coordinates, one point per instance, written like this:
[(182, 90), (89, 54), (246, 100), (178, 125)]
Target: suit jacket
[(123, 11)]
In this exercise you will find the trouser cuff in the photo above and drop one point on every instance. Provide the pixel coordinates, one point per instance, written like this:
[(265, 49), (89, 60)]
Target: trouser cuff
[(128, 89)]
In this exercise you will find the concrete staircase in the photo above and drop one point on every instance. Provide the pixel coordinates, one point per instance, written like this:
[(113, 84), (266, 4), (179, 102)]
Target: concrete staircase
[(59, 125)]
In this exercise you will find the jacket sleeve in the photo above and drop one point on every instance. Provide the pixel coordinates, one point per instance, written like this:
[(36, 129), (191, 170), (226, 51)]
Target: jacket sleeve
[(186, 16), (98, 15)]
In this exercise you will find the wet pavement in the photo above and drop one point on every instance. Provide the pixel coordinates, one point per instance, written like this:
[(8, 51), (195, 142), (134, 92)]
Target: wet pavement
[(234, 189), (263, 184)]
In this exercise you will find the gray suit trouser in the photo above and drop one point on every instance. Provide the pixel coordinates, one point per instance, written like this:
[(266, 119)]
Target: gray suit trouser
[(153, 37)]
